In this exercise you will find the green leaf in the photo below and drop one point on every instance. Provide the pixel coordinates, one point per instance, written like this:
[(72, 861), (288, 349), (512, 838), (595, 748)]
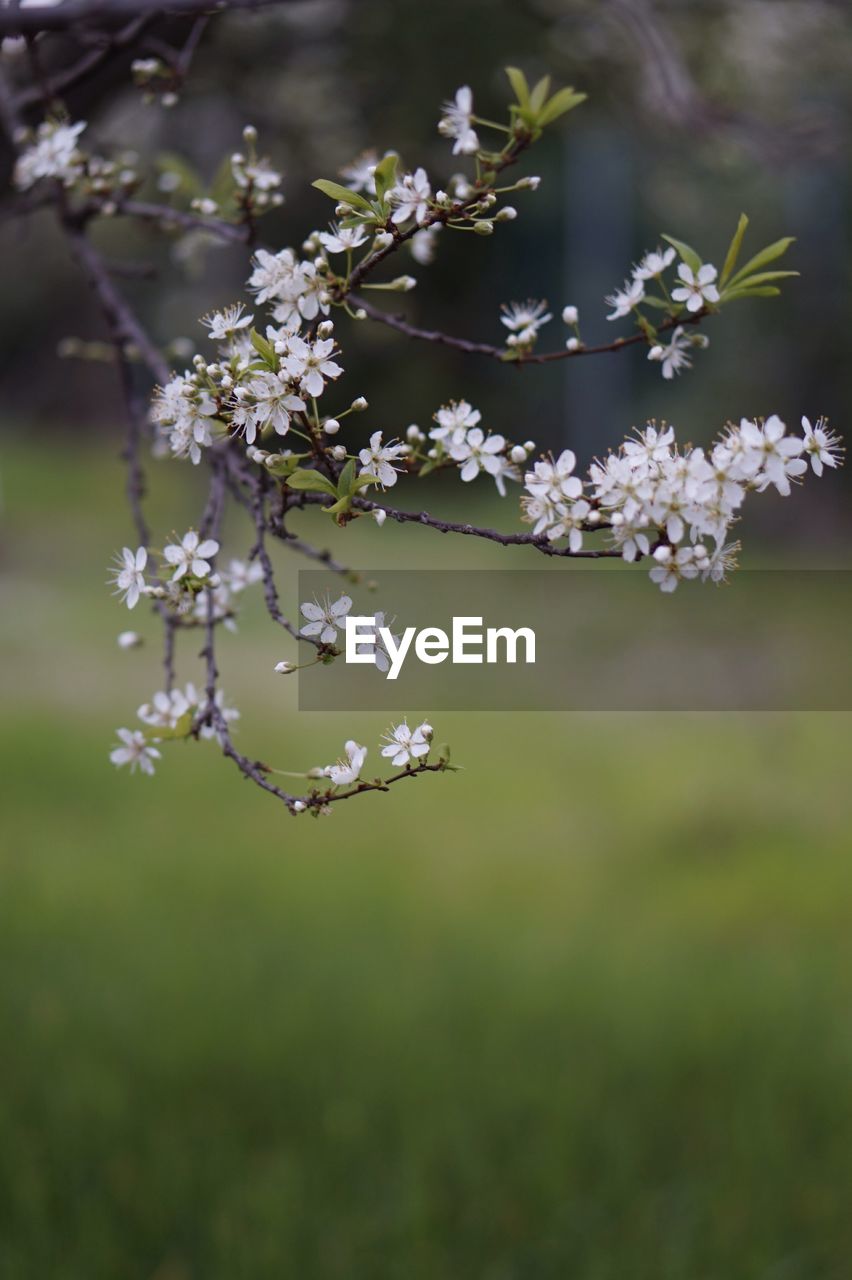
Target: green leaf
[(264, 349), (762, 291), (340, 506), (518, 81), (762, 259), (311, 481), (363, 482), (538, 97), (346, 479), (385, 174), (734, 249), (660, 303), (761, 277), (335, 191), (687, 253), (564, 100)]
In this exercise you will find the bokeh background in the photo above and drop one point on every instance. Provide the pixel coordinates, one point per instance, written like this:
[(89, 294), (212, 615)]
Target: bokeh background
[(581, 1010)]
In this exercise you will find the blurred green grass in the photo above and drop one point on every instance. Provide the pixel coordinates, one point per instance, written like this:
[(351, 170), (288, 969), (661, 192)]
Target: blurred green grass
[(582, 1010)]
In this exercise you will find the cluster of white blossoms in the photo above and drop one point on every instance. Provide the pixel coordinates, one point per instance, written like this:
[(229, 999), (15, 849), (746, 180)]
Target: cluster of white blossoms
[(173, 713), (268, 402), (53, 153), (405, 747), (676, 507)]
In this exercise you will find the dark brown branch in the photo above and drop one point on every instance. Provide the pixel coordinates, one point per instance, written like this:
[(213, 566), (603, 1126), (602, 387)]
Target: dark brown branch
[(317, 800), (97, 13), (401, 325), (86, 65), (124, 324)]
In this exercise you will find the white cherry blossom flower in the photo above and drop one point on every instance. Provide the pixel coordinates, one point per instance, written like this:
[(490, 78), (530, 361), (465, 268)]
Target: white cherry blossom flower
[(165, 710), (310, 364), (654, 264), (53, 154), (358, 175), (554, 480), (242, 573), (625, 299), (527, 317), (411, 197), (453, 420), (378, 460), (673, 355), (457, 122), (324, 619), (190, 555), (423, 244), (136, 751), (224, 324), (822, 446), (697, 288), (771, 455), (265, 400), (342, 239), (348, 768), (129, 576), (477, 452), (405, 744)]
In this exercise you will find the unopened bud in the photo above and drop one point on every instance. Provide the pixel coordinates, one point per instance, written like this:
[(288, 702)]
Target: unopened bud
[(570, 315), (518, 454), (507, 214), (325, 328), (339, 452), (299, 806), (129, 640), (250, 135), (484, 228), (383, 240), (380, 516), (662, 555), (529, 183), (283, 668), (573, 344), (358, 404), (331, 427)]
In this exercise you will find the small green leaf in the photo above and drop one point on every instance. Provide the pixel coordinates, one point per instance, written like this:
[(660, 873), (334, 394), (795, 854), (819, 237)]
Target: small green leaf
[(335, 191), (564, 100), (761, 277), (734, 248), (687, 253), (762, 259), (518, 81), (363, 482), (342, 505), (538, 97), (346, 479), (311, 481), (264, 349), (660, 303), (762, 291), (385, 174)]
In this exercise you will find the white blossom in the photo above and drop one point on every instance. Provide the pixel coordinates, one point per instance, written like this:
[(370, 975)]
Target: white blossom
[(477, 452), (224, 324), (379, 460), (411, 197), (673, 355), (190, 556), (358, 175), (242, 573), (525, 317), (342, 239), (135, 751), (53, 154), (325, 618), (554, 480), (310, 363), (697, 288), (654, 263), (129, 576), (166, 709), (423, 244), (348, 768), (129, 640), (457, 122), (625, 299), (265, 400), (822, 446), (405, 744), (453, 420)]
